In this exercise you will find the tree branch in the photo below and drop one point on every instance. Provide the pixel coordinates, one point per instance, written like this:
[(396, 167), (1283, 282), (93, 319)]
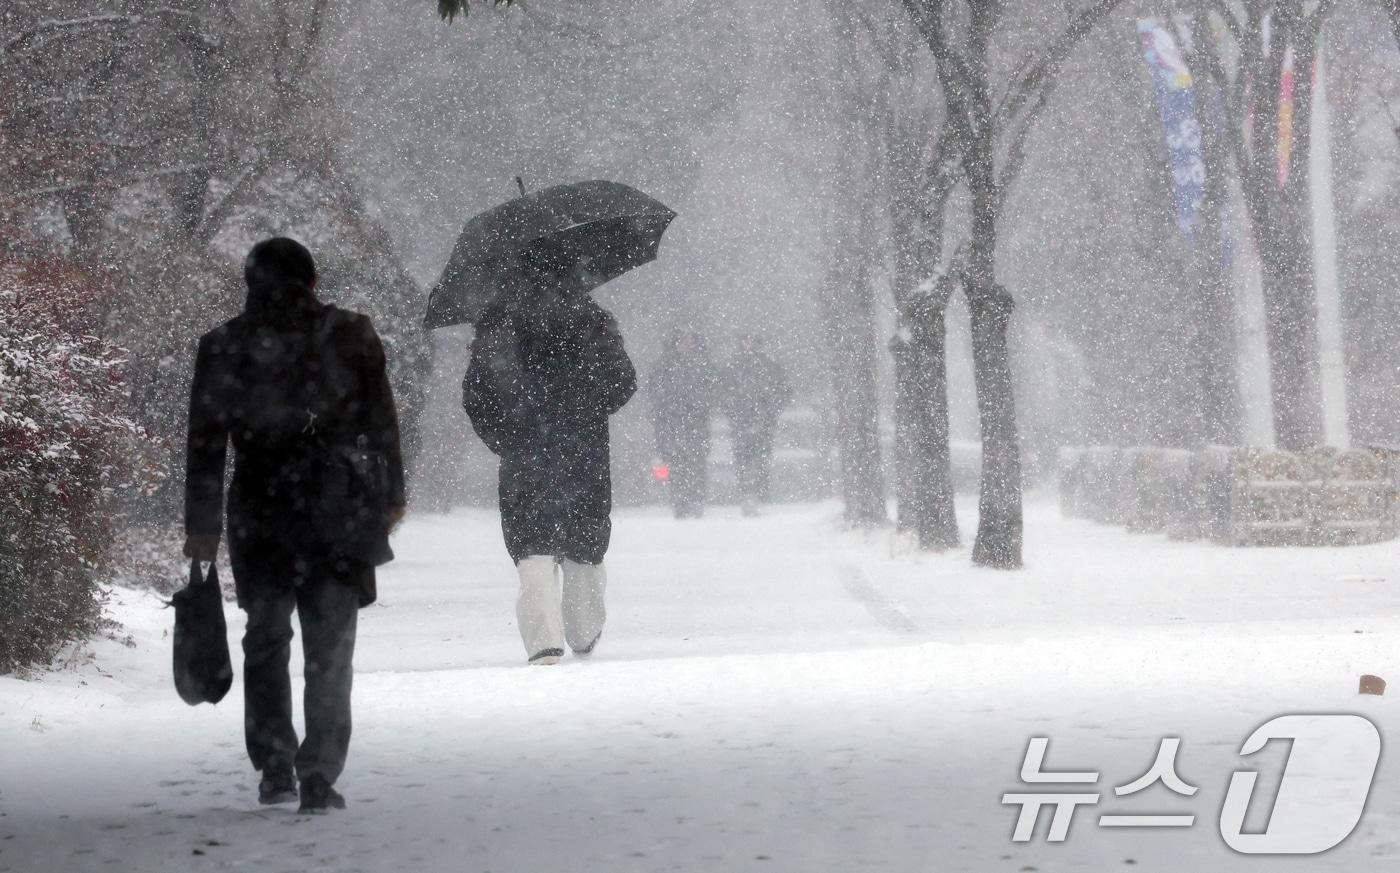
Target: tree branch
[(945, 172), (106, 182), (1233, 24), (887, 49), (249, 175), (1034, 76), (310, 38), (918, 15), (927, 16), (1232, 90), (564, 28), (1394, 122), (1312, 23), (1016, 151), (450, 9), (21, 42), (112, 19), (1392, 11)]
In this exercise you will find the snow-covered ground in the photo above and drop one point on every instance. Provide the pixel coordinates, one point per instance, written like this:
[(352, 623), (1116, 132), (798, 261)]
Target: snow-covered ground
[(771, 694)]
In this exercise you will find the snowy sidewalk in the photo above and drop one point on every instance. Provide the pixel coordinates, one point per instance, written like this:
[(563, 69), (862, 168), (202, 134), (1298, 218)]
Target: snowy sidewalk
[(771, 694)]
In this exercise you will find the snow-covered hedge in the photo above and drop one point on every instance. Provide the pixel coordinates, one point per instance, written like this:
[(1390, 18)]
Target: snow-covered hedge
[(67, 458), (1238, 496)]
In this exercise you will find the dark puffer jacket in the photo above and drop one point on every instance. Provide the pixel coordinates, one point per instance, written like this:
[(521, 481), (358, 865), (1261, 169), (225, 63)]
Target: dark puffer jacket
[(543, 380)]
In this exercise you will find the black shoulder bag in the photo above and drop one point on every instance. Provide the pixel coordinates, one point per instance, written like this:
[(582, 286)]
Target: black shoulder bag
[(353, 488)]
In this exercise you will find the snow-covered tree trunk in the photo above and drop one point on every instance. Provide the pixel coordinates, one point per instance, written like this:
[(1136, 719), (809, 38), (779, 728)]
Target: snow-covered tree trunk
[(849, 309), (925, 470), (999, 524), (1274, 40), (920, 180), (1214, 346), (990, 134)]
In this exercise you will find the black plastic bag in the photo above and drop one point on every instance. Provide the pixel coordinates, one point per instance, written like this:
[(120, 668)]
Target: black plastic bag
[(203, 671)]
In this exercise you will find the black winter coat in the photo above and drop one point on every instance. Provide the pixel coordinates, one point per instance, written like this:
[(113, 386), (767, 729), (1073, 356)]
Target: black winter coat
[(285, 392), (683, 388), (539, 395), (754, 389)]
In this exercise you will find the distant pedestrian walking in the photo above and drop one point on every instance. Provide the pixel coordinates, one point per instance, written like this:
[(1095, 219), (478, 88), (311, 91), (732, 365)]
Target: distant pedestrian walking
[(301, 389), (548, 368), (682, 387), (754, 391)]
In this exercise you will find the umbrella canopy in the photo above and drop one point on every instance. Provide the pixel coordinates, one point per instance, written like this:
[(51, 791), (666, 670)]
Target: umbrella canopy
[(616, 226)]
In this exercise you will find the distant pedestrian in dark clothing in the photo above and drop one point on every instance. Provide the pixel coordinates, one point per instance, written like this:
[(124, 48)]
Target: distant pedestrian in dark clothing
[(548, 368), (754, 390), (293, 383), (682, 393)]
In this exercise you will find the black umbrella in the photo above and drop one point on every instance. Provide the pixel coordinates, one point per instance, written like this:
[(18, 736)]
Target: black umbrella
[(616, 226)]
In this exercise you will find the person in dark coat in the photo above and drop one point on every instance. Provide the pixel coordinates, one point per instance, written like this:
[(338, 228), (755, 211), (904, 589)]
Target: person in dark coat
[(289, 381), (682, 392), (548, 369), (754, 392)]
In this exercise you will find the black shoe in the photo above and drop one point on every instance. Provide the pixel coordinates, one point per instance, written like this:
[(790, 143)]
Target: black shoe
[(317, 795), (277, 786), (588, 649), (547, 656)]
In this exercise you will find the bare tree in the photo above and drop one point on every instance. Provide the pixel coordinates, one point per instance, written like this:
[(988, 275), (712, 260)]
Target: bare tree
[(987, 133), (860, 92), (922, 175), (1265, 42), (848, 301), (1392, 11), (157, 138)]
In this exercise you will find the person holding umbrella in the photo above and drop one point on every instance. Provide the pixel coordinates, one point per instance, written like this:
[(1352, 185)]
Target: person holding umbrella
[(548, 368)]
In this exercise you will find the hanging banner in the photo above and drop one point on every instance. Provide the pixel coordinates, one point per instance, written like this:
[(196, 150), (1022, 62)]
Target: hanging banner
[(1171, 80)]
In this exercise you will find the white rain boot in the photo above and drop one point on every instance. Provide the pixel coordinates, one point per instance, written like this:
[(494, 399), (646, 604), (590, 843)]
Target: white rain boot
[(537, 610), (584, 612)]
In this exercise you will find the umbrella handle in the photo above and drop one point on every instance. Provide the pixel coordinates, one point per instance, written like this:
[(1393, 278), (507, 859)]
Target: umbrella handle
[(520, 183)]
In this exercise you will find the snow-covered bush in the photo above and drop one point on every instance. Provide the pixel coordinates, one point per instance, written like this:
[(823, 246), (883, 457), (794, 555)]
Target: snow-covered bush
[(67, 457)]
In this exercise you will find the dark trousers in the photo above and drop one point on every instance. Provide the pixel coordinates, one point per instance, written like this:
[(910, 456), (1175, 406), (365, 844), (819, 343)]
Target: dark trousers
[(753, 463), (328, 610), (689, 480)]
